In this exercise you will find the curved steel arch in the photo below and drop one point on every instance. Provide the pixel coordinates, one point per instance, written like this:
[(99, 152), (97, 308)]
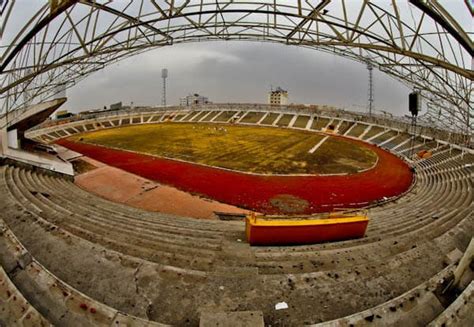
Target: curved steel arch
[(420, 43)]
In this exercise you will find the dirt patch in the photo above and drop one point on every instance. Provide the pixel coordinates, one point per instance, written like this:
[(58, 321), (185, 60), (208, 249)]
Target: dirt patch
[(123, 187), (287, 203), (81, 166)]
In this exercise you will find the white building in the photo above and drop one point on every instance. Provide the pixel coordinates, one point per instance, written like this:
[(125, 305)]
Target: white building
[(193, 99), (278, 96)]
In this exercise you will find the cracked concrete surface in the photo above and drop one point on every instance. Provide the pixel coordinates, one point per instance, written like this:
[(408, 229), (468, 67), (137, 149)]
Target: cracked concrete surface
[(173, 277)]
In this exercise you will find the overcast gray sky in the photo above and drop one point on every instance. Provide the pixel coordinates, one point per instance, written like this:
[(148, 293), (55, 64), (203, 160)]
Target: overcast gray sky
[(238, 72)]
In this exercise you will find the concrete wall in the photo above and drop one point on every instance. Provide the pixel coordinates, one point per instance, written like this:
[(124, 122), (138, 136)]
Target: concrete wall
[(12, 127)]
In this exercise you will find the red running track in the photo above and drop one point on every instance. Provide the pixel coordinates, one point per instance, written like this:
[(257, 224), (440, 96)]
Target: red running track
[(297, 194)]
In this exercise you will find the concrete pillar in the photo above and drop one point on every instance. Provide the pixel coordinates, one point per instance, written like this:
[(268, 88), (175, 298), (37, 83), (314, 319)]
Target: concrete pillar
[(3, 141), (13, 139), (464, 274)]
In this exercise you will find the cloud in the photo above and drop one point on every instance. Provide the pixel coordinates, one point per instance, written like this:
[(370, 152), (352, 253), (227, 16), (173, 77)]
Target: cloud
[(238, 72), (232, 71)]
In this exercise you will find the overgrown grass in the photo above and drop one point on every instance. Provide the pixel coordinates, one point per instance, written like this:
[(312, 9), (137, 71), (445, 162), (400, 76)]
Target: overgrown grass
[(225, 116), (319, 123), (344, 127), (301, 121), (252, 117), (285, 120), (211, 116), (373, 131), (269, 119), (246, 148), (357, 130), (199, 116)]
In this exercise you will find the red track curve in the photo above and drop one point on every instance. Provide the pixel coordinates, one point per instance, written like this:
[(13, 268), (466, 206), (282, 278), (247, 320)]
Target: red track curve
[(390, 177)]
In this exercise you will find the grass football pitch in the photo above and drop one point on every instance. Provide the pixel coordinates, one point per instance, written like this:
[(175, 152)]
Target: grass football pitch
[(262, 150)]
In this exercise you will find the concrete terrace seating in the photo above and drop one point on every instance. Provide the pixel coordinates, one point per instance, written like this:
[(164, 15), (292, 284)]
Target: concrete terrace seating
[(417, 307), (168, 269), (460, 312), (344, 127), (57, 301), (400, 139), (410, 237), (14, 308), (357, 130)]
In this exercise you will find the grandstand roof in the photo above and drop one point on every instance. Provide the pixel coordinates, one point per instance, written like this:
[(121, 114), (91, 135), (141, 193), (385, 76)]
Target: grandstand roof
[(422, 43)]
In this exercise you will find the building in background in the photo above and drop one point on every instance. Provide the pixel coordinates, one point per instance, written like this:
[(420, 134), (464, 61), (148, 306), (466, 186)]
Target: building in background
[(193, 99), (115, 106), (278, 96)]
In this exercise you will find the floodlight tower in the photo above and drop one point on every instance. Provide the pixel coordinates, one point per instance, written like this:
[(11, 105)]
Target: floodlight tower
[(370, 68), (164, 76)]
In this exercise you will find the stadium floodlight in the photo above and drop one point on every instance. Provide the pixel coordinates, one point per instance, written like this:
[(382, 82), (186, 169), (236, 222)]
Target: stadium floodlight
[(164, 76)]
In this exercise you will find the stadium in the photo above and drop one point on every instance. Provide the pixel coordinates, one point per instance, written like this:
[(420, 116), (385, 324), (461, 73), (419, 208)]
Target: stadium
[(73, 252)]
